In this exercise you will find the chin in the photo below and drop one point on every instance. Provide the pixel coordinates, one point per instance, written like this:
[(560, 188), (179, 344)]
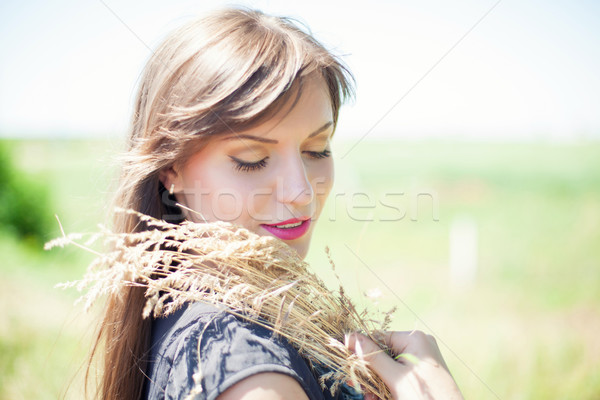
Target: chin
[(302, 251), (301, 248), (301, 245)]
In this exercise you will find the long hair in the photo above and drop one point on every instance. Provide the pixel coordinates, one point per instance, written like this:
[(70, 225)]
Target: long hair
[(228, 71)]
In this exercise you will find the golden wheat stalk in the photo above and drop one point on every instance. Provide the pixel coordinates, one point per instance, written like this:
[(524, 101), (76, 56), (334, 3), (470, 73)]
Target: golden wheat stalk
[(259, 278)]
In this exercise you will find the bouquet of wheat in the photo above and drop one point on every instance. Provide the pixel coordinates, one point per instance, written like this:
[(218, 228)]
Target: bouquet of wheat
[(259, 278)]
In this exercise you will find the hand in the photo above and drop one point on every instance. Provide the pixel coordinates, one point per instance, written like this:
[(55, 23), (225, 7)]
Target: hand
[(418, 372)]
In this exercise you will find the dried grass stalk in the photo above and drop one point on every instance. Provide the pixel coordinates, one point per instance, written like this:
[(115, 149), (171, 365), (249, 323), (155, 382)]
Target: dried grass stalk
[(259, 278)]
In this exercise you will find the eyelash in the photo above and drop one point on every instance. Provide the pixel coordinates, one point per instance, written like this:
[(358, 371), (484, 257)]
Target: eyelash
[(254, 166)]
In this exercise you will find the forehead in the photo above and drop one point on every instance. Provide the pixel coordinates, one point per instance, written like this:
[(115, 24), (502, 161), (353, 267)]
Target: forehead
[(306, 116)]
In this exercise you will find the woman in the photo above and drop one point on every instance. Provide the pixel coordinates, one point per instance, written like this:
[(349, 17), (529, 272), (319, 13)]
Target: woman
[(233, 121)]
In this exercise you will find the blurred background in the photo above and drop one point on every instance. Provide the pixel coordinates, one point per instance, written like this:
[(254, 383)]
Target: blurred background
[(467, 178)]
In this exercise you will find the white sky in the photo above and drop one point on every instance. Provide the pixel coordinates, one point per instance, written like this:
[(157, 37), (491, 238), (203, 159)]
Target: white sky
[(528, 70)]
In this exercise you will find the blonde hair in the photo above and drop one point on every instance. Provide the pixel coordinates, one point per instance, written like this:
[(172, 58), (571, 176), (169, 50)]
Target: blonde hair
[(223, 73)]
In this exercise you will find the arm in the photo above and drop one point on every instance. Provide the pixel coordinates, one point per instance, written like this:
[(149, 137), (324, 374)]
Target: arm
[(423, 374), (265, 386), (234, 357)]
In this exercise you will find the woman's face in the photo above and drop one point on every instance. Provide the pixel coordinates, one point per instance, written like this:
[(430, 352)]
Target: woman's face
[(272, 179)]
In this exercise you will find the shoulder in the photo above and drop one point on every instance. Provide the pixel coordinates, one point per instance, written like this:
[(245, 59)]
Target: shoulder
[(208, 351), (265, 386)]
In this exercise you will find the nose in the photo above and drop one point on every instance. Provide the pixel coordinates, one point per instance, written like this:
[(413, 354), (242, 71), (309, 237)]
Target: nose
[(293, 186)]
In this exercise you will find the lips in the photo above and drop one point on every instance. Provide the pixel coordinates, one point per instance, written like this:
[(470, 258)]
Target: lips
[(290, 229)]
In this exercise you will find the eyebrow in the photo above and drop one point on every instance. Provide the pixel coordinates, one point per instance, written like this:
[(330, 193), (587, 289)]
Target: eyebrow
[(273, 141)]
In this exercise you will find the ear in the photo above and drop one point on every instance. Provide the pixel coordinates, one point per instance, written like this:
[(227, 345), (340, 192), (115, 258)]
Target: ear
[(169, 176)]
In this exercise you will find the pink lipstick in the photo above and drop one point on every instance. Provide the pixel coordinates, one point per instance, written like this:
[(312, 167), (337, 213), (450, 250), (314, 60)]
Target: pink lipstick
[(290, 229)]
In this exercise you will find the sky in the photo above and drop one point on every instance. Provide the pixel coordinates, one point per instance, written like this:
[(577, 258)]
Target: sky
[(492, 70)]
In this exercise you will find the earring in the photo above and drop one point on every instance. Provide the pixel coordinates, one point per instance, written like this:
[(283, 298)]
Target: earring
[(172, 189)]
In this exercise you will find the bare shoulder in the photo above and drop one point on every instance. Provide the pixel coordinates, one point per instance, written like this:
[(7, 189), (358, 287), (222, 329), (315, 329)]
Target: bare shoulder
[(265, 386)]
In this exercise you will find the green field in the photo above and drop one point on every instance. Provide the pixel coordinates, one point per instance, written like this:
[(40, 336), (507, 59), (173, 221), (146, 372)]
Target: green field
[(526, 328)]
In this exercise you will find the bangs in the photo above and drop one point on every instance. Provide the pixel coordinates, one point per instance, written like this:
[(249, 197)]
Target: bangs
[(250, 68)]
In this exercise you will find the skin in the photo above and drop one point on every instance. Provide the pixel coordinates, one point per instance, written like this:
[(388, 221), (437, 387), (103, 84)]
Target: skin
[(265, 386), (285, 171), (422, 375), (271, 173)]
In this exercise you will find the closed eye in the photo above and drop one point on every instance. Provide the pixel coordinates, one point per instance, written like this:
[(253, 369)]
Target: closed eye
[(245, 166), (319, 154)]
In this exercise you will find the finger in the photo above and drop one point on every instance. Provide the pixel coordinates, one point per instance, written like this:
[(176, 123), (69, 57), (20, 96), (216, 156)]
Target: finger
[(399, 341), (414, 343), (370, 396), (383, 365)]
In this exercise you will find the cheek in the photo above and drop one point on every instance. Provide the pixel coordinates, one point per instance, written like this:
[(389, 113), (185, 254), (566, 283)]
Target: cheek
[(211, 189), (241, 199), (226, 205), (322, 180)]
